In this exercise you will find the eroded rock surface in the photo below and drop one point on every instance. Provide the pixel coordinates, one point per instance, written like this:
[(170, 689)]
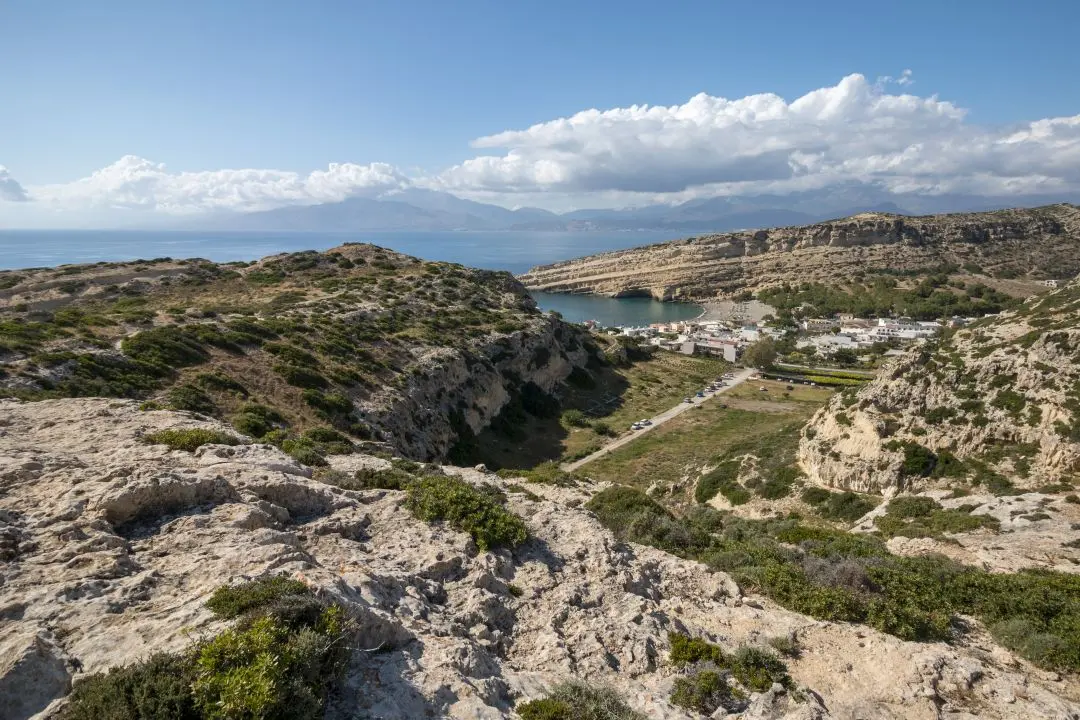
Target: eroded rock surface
[(111, 547), (1038, 240)]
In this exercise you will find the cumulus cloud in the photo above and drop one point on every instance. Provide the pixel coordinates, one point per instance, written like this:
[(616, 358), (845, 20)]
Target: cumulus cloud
[(855, 131), (134, 182), (10, 189)]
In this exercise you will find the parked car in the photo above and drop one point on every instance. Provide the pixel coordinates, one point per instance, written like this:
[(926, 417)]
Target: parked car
[(646, 421), (700, 394), (688, 400), (635, 426)]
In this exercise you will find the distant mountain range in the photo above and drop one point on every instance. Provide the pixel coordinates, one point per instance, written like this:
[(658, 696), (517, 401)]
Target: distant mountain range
[(419, 210)]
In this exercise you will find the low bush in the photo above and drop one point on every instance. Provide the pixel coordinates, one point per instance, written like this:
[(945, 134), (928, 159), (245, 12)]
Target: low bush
[(706, 691), (844, 506), (191, 399), (278, 661), (575, 418), (257, 420), (167, 347), (917, 516), (477, 511), (190, 439), (232, 601), (724, 480), (578, 701)]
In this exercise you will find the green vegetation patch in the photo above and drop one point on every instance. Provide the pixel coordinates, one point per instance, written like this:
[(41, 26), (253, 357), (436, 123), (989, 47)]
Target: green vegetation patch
[(476, 510), (278, 661), (846, 506), (917, 516), (578, 701), (724, 480), (190, 439), (834, 575)]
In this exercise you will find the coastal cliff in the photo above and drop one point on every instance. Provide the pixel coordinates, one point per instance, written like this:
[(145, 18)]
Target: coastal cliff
[(1034, 244)]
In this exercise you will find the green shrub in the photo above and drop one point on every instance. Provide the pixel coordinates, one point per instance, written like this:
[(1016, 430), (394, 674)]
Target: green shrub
[(786, 645), (166, 347), (190, 439), (602, 428), (222, 382), (918, 461), (686, 650), (231, 601), (577, 701), (704, 692), (477, 511), (844, 506), (301, 377), (257, 420), (158, 688), (910, 506), (724, 480), (277, 662), (575, 418), (191, 399), (757, 668), (632, 515)]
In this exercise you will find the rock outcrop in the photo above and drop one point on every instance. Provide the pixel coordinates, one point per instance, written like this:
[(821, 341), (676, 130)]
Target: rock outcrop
[(1038, 243), (111, 546), (996, 403), (374, 343)]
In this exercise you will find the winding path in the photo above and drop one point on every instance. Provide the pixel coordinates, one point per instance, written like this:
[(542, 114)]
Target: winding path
[(740, 377)]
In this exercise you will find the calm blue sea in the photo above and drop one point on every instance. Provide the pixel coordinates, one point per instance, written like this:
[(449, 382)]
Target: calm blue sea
[(513, 251)]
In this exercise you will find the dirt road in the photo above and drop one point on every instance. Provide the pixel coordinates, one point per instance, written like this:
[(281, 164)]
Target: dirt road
[(740, 377)]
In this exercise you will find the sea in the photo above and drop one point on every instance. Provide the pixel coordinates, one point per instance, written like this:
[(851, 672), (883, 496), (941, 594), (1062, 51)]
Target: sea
[(515, 251)]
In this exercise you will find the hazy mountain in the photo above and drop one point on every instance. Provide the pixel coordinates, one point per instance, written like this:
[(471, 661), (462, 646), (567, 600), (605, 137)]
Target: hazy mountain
[(418, 209)]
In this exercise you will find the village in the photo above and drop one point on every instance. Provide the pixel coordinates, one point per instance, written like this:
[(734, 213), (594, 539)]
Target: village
[(735, 326)]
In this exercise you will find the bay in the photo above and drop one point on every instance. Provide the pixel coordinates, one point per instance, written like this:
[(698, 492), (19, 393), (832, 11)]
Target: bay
[(615, 311), (515, 251)]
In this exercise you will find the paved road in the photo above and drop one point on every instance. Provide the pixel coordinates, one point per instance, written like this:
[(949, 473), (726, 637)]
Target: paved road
[(740, 377)]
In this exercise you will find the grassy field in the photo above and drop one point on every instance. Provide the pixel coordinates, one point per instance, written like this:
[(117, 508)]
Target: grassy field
[(622, 395), (765, 424)]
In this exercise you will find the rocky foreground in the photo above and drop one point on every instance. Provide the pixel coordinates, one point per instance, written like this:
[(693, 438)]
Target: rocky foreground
[(111, 546), (1036, 243)]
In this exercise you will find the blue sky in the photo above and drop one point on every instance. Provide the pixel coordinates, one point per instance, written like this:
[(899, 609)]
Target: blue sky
[(292, 87)]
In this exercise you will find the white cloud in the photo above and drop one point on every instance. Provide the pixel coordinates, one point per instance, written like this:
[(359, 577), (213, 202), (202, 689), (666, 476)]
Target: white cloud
[(853, 131), (10, 189), (136, 183)]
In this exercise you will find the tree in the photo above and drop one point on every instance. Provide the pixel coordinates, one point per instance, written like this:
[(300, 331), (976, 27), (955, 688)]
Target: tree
[(761, 354)]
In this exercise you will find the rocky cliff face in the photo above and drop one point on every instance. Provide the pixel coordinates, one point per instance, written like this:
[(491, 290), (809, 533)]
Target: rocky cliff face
[(372, 343), (112, 545), (997, 404), (1039, 243)]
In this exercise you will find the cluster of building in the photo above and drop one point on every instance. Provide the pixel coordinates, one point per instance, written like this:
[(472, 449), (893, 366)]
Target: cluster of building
[(727, 339)]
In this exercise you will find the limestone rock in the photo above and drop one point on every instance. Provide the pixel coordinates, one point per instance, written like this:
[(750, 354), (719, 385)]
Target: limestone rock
[(101, 570)]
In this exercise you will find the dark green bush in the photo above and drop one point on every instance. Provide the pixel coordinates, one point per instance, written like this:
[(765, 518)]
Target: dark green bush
[(686, 650), (191, 399), (704, 692), (158, 688), (724, 480), (918, 461), (577, 701), (190, 439), (166, 347), (257, 420), (477, 511), (231, 601), (301, 377)]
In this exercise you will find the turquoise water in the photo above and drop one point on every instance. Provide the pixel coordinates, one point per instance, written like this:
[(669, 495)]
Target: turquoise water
[(615, 311), (513, 251)]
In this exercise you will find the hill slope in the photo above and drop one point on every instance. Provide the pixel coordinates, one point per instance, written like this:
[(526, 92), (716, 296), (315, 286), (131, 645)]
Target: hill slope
[(995, 404), (360, 340), (1031, 243)]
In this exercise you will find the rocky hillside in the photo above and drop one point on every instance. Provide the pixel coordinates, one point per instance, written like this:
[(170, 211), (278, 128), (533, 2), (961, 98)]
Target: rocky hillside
[(113, 544), (996, 405), (357, 341), (1033, 244)]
